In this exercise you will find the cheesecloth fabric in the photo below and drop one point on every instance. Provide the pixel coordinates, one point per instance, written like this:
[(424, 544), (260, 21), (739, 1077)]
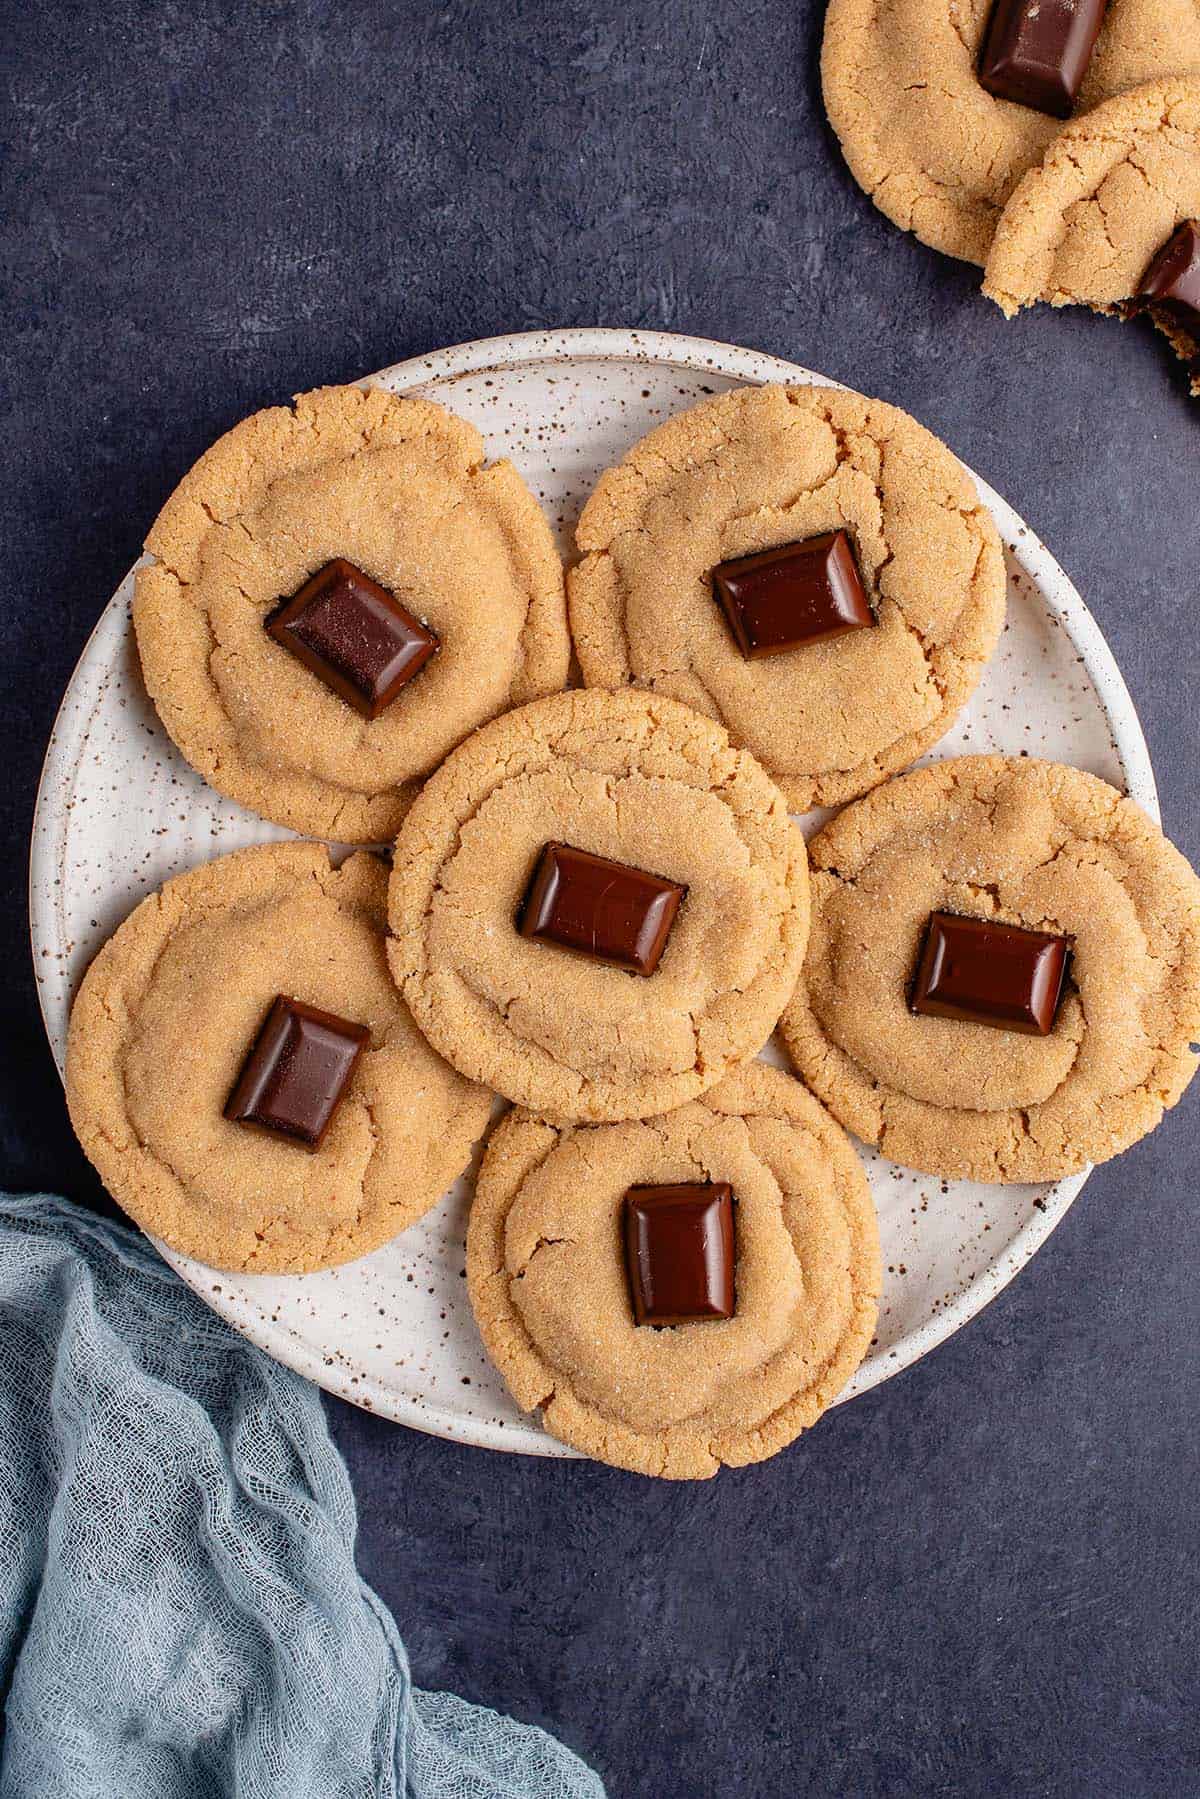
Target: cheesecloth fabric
[(182, 1617)]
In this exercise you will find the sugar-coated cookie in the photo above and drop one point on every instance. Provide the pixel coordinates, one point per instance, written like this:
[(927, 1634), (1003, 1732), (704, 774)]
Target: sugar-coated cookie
[(551, 1292), (933, 148), (164, 1022), (1085, 224), (399, 489), (652, 787), (1029, 844), (765, 467)]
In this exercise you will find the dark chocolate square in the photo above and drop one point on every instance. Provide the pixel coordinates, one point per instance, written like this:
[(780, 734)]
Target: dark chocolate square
[(679, 1252), (354, 635), (1036, 52), (798, 594), (600, 908), (1173, 279), (982, 972), (297, 1071)]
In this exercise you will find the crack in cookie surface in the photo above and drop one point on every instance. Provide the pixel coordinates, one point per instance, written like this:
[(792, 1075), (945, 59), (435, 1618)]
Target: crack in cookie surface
[(937, 153), (163, 1019), (547, 1282), (755, 469), (1031, 844), (399, 487), (640, 780)]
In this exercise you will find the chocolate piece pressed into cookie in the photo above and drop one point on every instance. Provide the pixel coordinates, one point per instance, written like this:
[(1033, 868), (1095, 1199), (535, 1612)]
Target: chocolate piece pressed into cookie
[(296, 1072), (584, 1238), (1037, 51), (679, 1252), (601, 908), (801, 593), (1173, 279), (354, 635), (980, 971)]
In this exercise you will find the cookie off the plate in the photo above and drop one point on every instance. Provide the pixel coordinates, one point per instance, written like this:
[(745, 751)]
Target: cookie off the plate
[(942, 105), (1110, 218), (810, 567), (744, 1219), (1003, 976), (598, 905), (246, 1079)]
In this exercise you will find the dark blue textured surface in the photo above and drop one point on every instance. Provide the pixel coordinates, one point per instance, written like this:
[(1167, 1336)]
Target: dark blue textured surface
[(982, 1578)]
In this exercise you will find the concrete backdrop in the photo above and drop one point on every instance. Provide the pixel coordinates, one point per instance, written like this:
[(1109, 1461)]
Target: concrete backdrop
[(981, 1578)]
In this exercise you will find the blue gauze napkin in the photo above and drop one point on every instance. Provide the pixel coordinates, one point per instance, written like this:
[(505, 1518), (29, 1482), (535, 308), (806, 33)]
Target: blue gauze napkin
[(181, 1616)]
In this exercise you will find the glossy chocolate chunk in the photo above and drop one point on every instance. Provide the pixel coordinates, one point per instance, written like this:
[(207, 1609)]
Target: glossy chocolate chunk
[(600, 908), (987, 973), (798, 594), (679, 1252), (354, 635), (297, 1070), (1036, 52), (1173, 279)]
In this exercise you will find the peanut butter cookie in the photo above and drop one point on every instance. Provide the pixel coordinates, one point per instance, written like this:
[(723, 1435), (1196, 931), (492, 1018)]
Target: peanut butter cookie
[(329, 722), (552, 1295), (888, 639), (1085, 225), (1057, 854), (598, 906), (360, 1126), (933, 148)]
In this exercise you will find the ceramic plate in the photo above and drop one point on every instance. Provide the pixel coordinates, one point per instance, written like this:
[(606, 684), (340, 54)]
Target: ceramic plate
[(118, 811)]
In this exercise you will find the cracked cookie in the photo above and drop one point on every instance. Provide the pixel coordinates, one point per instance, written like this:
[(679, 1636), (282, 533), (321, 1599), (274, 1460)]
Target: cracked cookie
[(758, 469), (1014, 842), (176, 1041), (555, 981), (1084, 227), (329, 721), (936, 152), (552, 1296)]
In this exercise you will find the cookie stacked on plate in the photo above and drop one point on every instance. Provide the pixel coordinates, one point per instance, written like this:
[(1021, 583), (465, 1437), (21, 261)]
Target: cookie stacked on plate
[(1055, 144), (598, 906)]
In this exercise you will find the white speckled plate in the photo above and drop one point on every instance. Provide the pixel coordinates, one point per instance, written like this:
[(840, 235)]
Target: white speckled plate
[(118, 811)]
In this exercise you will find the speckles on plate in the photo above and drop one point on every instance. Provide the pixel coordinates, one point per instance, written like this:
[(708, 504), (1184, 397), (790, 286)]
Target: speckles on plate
[(118, 812)]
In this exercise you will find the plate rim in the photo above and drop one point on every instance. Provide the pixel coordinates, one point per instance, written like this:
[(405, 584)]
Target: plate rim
[(739, 363)]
